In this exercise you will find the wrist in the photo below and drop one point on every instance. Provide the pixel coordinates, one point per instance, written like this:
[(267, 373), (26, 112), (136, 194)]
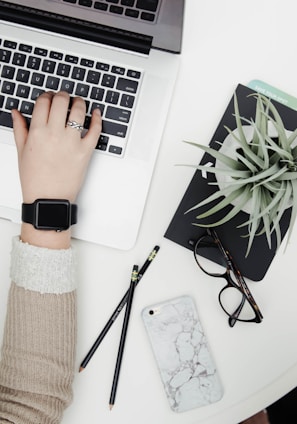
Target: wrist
[(45, 238)]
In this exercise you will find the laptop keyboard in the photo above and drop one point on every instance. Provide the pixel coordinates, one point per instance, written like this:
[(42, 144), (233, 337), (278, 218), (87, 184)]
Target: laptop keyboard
[(26, 71), (144, 10)]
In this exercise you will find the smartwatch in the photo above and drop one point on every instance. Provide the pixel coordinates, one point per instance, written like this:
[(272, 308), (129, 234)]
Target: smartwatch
[(50, 214)]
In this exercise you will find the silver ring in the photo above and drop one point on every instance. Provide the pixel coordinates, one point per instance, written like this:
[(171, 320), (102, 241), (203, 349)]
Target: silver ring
[(75, 125)]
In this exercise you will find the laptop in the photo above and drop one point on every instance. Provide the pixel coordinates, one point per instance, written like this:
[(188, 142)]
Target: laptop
[(121, 56)]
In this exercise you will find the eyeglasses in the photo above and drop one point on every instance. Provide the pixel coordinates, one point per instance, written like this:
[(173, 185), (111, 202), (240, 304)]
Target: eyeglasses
[(235, 298)]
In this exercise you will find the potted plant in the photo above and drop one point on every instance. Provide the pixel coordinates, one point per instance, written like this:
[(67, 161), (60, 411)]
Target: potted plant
[(256, 171)]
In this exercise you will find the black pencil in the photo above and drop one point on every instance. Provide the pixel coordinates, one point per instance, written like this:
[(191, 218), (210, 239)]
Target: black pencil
[(117, 311), (123, 336)]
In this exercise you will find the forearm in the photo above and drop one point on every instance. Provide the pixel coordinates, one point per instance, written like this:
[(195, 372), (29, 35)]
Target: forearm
[(38, 352)]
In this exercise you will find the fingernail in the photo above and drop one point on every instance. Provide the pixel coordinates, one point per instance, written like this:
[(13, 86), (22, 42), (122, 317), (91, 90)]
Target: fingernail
[(97, 111), (13, 114)]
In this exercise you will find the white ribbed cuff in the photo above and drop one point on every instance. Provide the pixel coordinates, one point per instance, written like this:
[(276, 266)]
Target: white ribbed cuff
[(42, 270)]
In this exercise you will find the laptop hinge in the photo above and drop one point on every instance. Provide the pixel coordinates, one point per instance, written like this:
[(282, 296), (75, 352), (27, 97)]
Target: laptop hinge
[(73, 27)]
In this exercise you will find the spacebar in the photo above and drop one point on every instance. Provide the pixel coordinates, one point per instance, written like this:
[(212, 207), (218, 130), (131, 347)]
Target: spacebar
[(5, 119), (113, 128)]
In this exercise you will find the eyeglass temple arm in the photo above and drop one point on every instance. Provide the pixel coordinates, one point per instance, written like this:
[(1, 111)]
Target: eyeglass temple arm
[(238, 276)]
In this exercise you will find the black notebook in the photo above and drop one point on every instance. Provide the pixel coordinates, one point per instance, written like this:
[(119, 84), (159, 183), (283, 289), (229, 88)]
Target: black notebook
[(181, 228)]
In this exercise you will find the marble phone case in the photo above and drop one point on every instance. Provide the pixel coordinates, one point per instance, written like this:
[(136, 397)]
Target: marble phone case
[(180, 348)]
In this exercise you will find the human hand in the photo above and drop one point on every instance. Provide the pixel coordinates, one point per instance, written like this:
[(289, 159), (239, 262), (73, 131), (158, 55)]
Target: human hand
[(52, 157)]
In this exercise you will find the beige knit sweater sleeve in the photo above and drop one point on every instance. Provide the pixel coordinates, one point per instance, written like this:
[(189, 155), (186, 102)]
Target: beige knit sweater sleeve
[(38, 349)]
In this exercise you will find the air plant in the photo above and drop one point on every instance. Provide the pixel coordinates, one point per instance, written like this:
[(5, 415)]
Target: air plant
[(262, 173)]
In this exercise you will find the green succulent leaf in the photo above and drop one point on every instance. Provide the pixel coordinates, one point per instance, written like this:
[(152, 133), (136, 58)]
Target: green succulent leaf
[(232, 163), (244, 197)]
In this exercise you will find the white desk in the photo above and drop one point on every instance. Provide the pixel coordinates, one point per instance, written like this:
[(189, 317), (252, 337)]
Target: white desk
[(224, 43)]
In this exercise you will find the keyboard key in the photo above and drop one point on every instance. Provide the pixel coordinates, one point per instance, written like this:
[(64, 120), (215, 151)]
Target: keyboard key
[(118, 10), (102, 66), (100, 6), (82, 90), (10, 44), (147, 16), (12, 103), (23, 91), (86, 3), (118, 114), (78, 73), (102, 142), (113, 128), (63, 70), (71, 59), (5, 55), (67, 86), (97, 93), (127, 101), (52, 83), (115, 149), (112, 97), (8, 72), (132, 13), (125, 84), (129, 3), (37, 79), (1, 101), (93, 77), (133, 74), (36, 92), (149, 5), (33, 62), (56, 55), (40, 52), (48, 66), (25, 48), (118, 70), (87, 62), (5, 119), (108, 80), (23, 75), (8, 87), (19, 59), (27, 107)]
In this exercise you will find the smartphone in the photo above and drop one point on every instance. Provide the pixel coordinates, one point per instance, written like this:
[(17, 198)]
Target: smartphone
[(179, 344)]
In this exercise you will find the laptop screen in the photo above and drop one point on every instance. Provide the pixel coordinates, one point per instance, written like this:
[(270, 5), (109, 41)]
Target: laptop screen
[(134, 25)]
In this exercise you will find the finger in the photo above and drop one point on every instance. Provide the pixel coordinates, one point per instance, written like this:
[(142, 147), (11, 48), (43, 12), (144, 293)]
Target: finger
[(41, 110), (20, 129), (95, 129), (59, 110), (77, 113)]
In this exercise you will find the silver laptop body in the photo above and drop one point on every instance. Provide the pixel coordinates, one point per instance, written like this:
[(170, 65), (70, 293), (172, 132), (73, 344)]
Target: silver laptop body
[(113, 197)]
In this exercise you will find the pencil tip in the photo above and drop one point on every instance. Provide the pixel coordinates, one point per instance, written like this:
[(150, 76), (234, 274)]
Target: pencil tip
[(81, 369), (110, 406)]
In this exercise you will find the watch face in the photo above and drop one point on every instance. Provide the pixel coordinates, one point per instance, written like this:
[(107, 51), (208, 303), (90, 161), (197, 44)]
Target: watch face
[(52, 215)]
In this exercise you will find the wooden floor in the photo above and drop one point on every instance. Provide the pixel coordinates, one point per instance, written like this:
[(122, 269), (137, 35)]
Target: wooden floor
[(260, 418), (277, 412)]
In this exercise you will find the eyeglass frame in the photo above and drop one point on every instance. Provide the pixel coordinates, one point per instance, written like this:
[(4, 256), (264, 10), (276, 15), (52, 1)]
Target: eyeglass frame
[(240, 285)]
